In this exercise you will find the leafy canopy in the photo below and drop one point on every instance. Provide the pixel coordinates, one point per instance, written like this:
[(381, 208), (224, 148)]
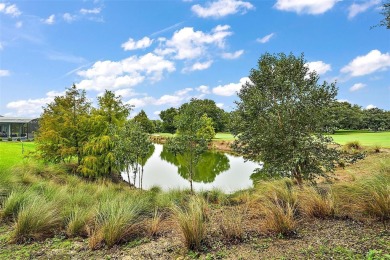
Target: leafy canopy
[(280, 117)]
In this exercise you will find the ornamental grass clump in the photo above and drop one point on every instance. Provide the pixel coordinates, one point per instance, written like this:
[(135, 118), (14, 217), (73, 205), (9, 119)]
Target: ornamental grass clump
[(192, 222), (231, 224), (313, 202), (36, 220), (116, 221), (11, 204), (279, 217)]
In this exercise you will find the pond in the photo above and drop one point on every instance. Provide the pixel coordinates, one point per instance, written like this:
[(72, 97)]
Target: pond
[(215, 170)]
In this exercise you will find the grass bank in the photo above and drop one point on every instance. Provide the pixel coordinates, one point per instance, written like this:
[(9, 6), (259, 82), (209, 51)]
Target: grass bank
[(47, 213), (13, 152)]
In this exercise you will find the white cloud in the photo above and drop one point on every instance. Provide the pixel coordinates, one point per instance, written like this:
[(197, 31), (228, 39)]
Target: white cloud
[(126, 92), (199, 66), (356, 87), (50, 19), (232, 56), (90, 11), (134, 45), (125, 73), (305, 6), (11, 10), (4, 73), (370, 106), (318, 66), (231, 88), (68, 17), (355, 8), (19, 24), (220, 105), (367, 64), (156, 113), (266, 38), (221, 8), (189, 44), (203, 89), (32, 107), (343, 100), (1, 46)]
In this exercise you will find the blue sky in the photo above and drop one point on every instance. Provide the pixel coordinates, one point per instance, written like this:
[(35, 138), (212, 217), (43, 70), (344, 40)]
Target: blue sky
[(159, 54)]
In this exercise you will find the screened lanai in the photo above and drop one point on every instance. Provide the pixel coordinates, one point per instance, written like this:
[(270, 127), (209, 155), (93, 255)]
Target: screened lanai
[(16, 127)]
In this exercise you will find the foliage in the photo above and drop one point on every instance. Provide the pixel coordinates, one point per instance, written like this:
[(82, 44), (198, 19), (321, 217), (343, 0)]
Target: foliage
[(386, 13), (63, 127), (194, 135), (281, 114), (168, 117), (146, 124), (99, 157), (314, 202)]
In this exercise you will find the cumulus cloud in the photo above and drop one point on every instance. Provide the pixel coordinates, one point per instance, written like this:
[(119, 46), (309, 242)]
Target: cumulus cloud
[(199, 66), (221, 8), (189, 44), (356, 87), (9, 9), (220, 105), (134, 45), (126, 92), (32, 107), (232, 56), (305, 6), (319, 66), (4, 73), (203, 89), (356, 9), (125, 73), (367, 64), (50, 20), (231, 88), (266, 38), (173, 100), (371, 106)]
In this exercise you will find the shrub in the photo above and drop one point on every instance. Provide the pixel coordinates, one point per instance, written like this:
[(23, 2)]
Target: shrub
[(36, 220), (192, 222), (9, 139), (232, 223), (353, 145), (313, 203)]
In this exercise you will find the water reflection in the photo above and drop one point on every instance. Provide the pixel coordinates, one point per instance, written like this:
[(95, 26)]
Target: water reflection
[(210, 165), (226, 172)]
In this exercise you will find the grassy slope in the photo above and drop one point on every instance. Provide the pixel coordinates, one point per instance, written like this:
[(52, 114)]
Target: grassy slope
[(11, 153), (366, 138)]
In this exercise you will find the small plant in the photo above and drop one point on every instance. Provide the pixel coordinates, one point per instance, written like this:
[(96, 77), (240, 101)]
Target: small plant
[(9, 139), (353, 145), (76, 222), (279, 217), (155, 223), (192, 222), (377, 149), (18, 139), (36, 220), (313, 203), (232, 223), (14, 202)]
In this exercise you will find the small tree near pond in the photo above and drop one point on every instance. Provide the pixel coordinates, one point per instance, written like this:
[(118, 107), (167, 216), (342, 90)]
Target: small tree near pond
[(280, 117), (194, 133)]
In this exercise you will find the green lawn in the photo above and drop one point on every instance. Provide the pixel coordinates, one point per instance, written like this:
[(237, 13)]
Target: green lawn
[(11, 152), (366, 138)]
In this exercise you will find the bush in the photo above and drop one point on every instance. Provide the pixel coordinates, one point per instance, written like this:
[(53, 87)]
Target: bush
[(192, 222), (353, 145)]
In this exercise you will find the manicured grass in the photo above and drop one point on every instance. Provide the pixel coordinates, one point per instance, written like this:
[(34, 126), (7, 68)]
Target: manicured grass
[(365, 138), (224, 137), (164, 134), (11, 152)]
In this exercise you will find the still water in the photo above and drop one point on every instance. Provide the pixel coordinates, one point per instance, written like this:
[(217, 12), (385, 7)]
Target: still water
[(215, 170)]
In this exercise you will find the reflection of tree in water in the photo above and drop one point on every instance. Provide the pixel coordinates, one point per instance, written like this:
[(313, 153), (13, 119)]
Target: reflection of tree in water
[(210, 165)]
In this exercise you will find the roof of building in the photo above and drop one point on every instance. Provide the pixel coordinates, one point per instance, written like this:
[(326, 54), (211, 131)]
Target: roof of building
[(6, 119)]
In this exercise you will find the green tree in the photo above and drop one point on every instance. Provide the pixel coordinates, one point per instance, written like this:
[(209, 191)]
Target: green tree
[(343, 115), (193, 136), (144, 121), (386, 13), (63, 127), (168, 117), (376, 119), (208, 107), (100, 159), (132, 149), (281, 114)]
